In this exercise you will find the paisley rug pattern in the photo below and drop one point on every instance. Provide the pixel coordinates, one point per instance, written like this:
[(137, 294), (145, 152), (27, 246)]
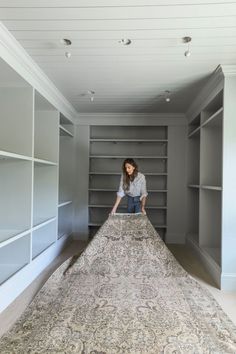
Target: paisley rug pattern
[(126, 293)]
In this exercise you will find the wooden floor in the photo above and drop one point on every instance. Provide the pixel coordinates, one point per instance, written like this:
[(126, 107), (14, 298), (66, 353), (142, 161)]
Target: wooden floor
[(183, 254)]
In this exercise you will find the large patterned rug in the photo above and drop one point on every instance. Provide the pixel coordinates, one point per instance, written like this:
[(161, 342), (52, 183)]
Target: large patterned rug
[(126, 293)]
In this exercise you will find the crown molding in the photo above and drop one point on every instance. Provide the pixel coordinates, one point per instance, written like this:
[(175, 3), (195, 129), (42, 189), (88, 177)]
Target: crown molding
[(131, 118), (15, 56)]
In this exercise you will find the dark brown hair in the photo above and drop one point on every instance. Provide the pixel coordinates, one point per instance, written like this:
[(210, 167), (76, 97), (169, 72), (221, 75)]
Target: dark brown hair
[(126, 177)]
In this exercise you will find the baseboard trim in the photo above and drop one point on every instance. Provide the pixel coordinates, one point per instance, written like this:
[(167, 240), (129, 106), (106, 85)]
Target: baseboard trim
[(212, 267)]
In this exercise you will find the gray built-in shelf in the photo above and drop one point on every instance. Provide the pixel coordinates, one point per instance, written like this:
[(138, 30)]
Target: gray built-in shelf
[(109, 146), (210, 216), (66, 165)]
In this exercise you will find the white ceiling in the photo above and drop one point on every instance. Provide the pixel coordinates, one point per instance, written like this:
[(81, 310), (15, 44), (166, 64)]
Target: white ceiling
[(125, 78)]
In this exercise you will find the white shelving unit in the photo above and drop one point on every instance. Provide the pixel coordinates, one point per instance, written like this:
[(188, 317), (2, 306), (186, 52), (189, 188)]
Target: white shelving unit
[(45, 193), (43, 237), (14, 256), (148, 146), (205, 178), (15, 191), (211, 183), (29, 183), (66, 165)]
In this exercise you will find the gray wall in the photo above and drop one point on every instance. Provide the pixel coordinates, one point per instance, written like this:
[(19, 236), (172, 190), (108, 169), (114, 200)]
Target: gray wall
[(81, 182), (176, 183)]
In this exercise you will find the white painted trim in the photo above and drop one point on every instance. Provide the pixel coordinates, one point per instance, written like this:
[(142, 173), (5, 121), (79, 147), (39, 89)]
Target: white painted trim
[(13, 287), (131, 119), (15, 55)]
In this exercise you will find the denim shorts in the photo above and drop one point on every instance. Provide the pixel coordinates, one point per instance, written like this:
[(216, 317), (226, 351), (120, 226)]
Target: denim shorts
[(134, 204)]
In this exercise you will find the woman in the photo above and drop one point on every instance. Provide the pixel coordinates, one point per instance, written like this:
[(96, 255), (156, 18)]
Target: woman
[(132, 184)]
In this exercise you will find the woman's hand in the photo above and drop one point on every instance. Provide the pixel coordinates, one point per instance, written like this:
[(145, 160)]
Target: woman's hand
[(113, 210), (144, 211)]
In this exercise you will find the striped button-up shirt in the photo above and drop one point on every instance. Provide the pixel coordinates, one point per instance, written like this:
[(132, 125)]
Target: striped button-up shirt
[(137, 187)]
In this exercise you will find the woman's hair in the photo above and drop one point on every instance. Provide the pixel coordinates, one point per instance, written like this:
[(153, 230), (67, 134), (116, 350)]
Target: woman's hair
[(126, 177)]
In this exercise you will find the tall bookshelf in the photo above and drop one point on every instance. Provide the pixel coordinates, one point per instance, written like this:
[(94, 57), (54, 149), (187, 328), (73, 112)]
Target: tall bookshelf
[(29, 174), (211, 227), (109, 146), (66, 165)]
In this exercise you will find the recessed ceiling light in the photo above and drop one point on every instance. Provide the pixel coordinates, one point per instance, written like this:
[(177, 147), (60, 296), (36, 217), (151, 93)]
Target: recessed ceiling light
[(125, 41)]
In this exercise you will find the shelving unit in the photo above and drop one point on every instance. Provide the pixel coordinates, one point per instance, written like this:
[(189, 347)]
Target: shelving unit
[(43, 237), (66, 165), (46, 121), (45, 193), (29, 164), (148, 146), (211, 192), (14, 256)]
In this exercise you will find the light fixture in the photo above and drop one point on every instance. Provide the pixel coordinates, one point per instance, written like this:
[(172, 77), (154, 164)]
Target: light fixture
[(167, 96), (187, 53), (125, 41), (68, 55), (91, 93), (66, 41)]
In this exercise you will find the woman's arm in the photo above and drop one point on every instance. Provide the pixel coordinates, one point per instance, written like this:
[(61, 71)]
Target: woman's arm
[(144, 194), (120, 195), (118, 199), (143, 202)]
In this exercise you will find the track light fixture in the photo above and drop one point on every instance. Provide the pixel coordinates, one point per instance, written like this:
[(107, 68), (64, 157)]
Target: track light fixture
[(66, 42), (91, 93), (187, 40)]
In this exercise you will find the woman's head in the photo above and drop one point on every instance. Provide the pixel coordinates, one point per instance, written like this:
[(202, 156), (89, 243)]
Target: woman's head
[(130, 171), (130, 167)]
